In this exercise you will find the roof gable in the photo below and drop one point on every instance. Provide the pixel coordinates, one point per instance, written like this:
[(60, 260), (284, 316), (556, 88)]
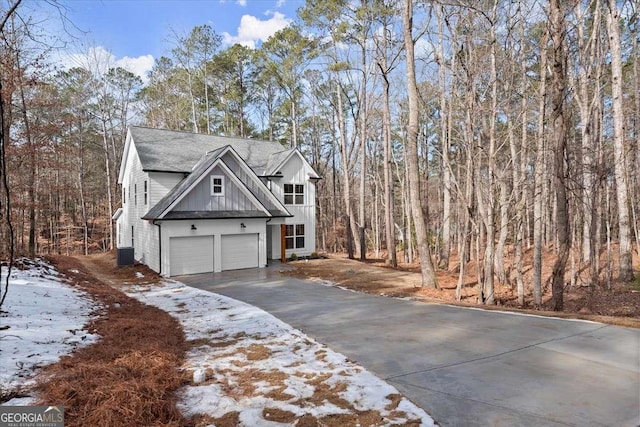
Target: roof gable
[(257, 183), (203, 168), (278, 160)]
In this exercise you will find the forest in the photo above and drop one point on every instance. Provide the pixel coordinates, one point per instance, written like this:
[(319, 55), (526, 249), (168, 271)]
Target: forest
[(448, 132)]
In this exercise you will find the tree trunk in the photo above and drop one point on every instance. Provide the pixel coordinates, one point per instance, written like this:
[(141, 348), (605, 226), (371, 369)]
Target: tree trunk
[(31, 190), (346, 185), (445, 249), (488, 285), (294, 124), (388, 178), (559, 135), (620, 163), (500, 270), (426, 265), (539, 177), (107, 166), (363, 153), (519, 185)]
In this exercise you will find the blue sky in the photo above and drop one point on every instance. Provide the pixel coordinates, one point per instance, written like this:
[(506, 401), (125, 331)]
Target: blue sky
[(136, 32)]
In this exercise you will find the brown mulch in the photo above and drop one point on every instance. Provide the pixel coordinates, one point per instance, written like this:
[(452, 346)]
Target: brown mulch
[(131, 375), (619, 305)]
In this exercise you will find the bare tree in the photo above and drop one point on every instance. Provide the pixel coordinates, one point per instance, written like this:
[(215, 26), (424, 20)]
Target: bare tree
[(4, 136), (426, 264), (620, 161), (539, 177), (559, 135)]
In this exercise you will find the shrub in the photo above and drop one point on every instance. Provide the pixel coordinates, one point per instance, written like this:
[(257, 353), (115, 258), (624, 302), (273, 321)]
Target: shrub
[(314, 255), (293, 257)]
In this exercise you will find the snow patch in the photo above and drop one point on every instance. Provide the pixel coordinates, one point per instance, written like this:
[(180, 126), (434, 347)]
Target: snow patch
[(255, 361), (42, 319)]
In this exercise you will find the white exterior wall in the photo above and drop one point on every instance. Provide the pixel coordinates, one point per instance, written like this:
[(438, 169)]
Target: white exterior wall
[(145, 234), (216, 228), (161, 183), (275, 240), (294, 172)]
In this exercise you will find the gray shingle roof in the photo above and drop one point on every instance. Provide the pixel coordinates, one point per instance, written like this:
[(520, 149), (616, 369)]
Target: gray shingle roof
[(214, 215), (171, 151), (224, 214), (275, 162)]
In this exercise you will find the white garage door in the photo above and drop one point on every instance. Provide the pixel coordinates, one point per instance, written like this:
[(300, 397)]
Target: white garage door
[(191, 255), (239, 251)]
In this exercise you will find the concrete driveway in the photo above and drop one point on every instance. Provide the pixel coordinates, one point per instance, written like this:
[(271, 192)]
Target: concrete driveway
[(465, 367)]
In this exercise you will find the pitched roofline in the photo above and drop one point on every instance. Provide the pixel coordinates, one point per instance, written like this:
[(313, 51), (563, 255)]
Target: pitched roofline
[(125, 156), (252, 175), (286, 159), (217, 162), (315, 174)]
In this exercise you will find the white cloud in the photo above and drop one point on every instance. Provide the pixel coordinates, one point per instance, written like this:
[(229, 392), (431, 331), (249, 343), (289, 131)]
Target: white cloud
[(252, 29), (280, 3), (139, 66), (242, 3), (98, 60)]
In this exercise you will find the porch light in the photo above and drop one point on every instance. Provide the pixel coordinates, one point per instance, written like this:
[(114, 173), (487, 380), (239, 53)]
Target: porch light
[(193, 227), (242, 226)]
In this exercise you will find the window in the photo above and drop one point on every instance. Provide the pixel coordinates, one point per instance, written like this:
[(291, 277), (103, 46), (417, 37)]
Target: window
[(217, 185), (294, 238), (145, 192), (293, 194), (135, 194), (132, 234), (124, 195)]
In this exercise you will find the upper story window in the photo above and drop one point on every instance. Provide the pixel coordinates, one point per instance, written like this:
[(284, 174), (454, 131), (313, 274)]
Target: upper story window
[(217, 185), (293, 194), (135, 194), (124, 194), (146, 186)]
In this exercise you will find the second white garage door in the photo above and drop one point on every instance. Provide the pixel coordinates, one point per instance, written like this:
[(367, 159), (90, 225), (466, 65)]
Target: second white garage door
[(191, 255), (239, 251)]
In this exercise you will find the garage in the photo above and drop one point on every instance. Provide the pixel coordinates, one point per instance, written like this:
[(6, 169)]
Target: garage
[(239, 251), (191, 255)]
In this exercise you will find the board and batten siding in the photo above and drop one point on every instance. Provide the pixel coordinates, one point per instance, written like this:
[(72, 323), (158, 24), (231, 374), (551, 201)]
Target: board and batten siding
[(233, 164), (200, 198), (295, 171)]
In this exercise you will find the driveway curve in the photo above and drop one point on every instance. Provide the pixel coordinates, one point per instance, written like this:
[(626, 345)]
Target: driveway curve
[(465, 367)]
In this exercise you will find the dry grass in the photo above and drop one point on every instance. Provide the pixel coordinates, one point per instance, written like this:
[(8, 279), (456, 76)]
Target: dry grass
[(129, 377), (618, 306)]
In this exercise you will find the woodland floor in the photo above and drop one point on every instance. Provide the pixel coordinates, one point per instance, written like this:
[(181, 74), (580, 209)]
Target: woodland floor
[(619, 305), (137, 373)]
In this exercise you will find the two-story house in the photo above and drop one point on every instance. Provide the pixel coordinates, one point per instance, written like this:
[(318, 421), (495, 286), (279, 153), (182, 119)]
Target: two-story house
[(194, 203)]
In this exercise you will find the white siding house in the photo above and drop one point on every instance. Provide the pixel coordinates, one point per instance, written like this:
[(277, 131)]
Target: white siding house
[(195, 203)]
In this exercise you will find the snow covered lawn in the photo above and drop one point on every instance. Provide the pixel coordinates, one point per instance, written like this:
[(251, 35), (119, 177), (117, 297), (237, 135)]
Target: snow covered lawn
[(250, 368), (42, 319)]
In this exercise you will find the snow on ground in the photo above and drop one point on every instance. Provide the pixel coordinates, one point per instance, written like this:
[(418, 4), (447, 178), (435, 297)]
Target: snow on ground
[(247, 361), (41, 319)]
